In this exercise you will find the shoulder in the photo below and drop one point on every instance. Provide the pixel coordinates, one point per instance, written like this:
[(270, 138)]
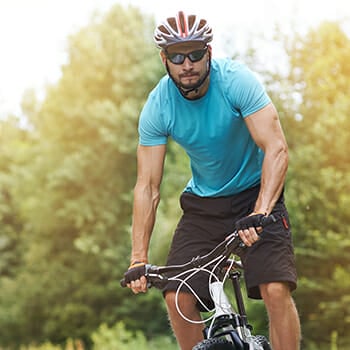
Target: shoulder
[(154, 116), (159, 99), (226, 64), (243, 87), (163, 89), (232, 70)]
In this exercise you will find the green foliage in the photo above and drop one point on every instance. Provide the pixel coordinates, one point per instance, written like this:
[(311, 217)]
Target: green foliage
[(319, 182), (45, 346), (66, 194), (118, 337), (10, 221)]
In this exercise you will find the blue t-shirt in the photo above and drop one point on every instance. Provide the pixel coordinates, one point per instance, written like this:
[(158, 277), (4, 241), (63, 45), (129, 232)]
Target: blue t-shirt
[(224, 158)]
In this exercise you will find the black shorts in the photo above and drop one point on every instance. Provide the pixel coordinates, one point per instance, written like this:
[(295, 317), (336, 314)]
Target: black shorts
[(207, 221)]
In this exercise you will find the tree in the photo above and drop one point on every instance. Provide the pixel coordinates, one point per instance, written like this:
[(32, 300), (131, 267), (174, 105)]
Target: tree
[(76, 184), (312, 100), (319, 181), (12, 145)]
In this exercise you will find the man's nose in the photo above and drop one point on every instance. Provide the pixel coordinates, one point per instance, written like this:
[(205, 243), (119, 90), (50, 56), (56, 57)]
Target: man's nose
[(187, 63)]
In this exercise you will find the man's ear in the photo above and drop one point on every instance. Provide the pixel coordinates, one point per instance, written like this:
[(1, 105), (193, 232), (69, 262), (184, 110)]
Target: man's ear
[(163, 57), (210, 50)]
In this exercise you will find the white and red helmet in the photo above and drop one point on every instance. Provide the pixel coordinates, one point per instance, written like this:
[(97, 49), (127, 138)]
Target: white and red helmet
[(182, 28)]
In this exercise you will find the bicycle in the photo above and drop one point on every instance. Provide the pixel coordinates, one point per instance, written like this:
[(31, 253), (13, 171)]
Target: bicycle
[(227, 328)]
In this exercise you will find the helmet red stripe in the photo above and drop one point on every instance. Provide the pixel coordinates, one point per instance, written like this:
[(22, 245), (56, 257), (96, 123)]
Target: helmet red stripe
[(182, 24)]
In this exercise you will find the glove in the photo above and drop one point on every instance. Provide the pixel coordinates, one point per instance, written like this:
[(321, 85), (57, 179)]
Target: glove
[(255, 220), (135, 272)]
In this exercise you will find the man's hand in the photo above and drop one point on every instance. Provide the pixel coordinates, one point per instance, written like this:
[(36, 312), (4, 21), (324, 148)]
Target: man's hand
[(135, 277), (249, 228)]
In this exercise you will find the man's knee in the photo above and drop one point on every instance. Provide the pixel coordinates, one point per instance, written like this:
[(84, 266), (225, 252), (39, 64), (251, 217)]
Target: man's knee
[(275, 293)]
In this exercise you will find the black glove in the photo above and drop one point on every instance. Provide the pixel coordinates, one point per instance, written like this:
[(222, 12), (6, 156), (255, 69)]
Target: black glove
[(135, 272), (255, 220)]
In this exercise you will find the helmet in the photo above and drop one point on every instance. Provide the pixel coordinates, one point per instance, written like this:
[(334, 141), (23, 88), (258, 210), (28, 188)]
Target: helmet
[(182, 28)]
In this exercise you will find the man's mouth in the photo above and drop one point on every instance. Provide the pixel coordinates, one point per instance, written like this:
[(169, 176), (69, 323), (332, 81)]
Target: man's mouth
[(189, 75)]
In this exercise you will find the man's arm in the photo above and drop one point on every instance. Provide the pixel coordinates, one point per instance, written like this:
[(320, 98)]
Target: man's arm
[(266, 130), (150, 164)]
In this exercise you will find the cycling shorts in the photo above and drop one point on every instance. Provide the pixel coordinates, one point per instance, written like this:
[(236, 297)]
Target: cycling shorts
[(208, 221)]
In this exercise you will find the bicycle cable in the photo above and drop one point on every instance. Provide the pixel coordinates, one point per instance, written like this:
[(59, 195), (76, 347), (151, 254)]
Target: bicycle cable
[(184, 282), (193, 272)]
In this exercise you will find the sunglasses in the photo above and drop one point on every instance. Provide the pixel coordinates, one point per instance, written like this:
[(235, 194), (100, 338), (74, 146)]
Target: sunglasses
[(179, 58)]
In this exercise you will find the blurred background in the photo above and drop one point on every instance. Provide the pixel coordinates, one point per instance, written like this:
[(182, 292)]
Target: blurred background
[(74, 77)]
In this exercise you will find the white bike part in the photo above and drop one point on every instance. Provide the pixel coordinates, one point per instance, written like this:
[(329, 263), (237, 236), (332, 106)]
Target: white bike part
[(222, 305)]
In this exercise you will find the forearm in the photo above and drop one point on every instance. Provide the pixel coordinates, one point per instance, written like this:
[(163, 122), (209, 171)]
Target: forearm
[(274, 172), (146, 200)]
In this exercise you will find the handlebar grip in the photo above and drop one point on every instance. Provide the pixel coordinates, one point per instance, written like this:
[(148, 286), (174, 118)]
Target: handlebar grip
[(123, 283), (147, 268)]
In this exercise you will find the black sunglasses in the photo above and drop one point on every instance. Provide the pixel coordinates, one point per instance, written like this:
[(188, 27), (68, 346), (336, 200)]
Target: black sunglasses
[(179, 58)]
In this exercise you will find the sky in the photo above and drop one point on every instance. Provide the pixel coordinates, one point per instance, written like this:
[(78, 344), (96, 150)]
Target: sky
[(33, 33)]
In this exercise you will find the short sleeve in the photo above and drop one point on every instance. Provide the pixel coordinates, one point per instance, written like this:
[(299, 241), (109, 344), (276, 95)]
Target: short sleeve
[(249, 94), (152, 131)]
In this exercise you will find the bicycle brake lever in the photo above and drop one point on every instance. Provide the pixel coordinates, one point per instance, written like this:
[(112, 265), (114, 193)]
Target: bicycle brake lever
[(156, 280), (234, 235), (267, 220), (229, 247)]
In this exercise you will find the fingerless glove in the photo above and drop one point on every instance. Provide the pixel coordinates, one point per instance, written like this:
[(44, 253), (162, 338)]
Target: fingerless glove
[(135, 272)]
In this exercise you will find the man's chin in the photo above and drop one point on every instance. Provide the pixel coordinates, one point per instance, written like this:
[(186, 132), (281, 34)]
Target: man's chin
[(188, 86)]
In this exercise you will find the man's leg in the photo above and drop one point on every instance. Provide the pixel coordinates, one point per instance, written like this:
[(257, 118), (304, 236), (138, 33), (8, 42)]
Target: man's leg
[(283, 316), (187, 334)]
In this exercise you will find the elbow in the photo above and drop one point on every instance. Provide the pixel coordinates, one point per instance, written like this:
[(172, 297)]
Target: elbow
[(284, 150), (148, 192), (283, 155), (155, 196), (277, 154), (277, 150)]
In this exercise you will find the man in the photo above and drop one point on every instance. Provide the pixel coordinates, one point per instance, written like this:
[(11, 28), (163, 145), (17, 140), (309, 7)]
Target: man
[(218, 111)]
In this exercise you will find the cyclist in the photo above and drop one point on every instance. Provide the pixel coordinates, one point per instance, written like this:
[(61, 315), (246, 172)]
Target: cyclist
[(219, 112)]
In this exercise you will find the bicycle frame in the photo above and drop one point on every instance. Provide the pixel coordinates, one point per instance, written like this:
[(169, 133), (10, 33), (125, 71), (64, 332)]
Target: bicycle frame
[(226, 324)]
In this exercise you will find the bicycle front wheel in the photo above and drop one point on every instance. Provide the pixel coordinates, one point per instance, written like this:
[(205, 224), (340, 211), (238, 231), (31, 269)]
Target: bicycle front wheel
[(262, 341), (215, 344)]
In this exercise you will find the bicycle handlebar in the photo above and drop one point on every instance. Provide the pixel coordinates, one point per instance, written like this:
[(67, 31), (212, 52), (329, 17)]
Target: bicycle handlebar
[(232, 244)]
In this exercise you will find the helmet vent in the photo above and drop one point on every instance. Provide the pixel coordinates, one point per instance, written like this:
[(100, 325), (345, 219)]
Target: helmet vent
[(172, 23)]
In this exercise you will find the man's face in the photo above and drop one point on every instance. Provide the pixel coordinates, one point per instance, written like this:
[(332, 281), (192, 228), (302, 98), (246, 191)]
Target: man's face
[(187, 62)]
